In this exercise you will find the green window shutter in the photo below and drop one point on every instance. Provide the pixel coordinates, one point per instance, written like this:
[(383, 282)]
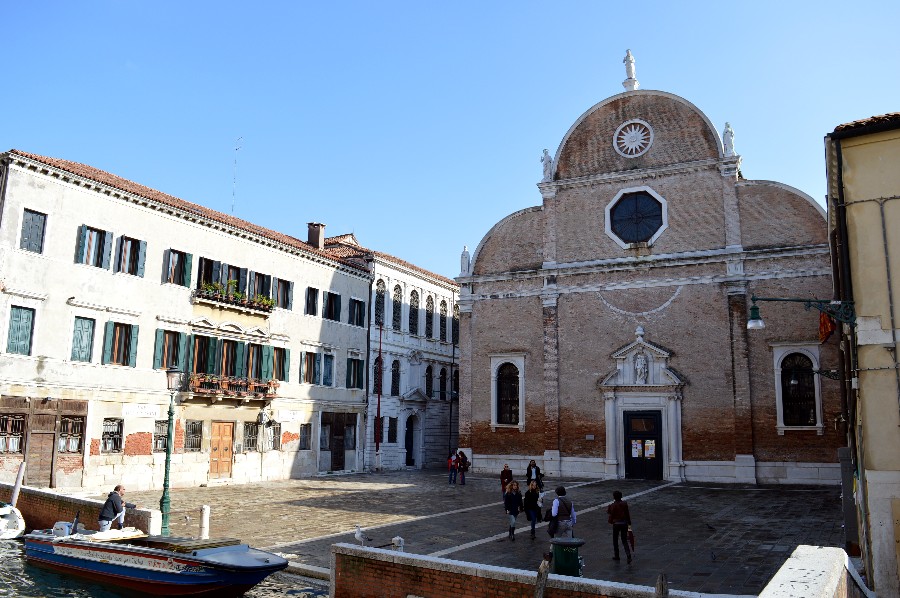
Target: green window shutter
[(158, 348), (80, 243), (107, 248), (287, 365), (132, 354), (142, 254), (82, 339), (187, 269), (167, 254), (349, 370), (118, 263), (328, 374), (186, 352), (107, 342), (302, 365), (317, 372), (242, 280), (337, 308), (290, 297), (240, 361), (213, 356), (21, 322), (267, 286), (268, 362)]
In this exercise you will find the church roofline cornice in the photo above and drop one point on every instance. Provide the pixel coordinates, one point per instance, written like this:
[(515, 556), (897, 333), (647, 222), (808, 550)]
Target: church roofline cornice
[(550, 187)]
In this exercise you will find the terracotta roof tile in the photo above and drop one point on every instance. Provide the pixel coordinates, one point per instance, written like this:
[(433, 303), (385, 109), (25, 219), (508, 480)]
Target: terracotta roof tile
[(881, 119), (349, 251), (100, 176)]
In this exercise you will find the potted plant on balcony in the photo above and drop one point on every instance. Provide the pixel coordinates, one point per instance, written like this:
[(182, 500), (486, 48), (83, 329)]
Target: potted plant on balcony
[(264, 303)]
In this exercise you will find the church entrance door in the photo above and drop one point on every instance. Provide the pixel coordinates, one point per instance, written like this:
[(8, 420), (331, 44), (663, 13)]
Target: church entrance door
[(643, 445)]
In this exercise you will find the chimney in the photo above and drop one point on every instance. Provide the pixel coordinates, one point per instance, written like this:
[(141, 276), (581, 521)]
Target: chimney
[(316, 236)]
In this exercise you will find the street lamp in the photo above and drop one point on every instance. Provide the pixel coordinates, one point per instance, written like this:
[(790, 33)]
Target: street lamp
[(173, 380), (842, 311)]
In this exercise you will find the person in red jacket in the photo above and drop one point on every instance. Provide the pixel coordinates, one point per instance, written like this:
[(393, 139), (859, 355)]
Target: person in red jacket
[(620, 519)]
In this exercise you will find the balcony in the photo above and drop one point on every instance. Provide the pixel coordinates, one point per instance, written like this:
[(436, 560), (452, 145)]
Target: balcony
[(219, 295), (230, 387)]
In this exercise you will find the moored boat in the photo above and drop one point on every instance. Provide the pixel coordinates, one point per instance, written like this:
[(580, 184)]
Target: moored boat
[(158, 565), (12, 524)]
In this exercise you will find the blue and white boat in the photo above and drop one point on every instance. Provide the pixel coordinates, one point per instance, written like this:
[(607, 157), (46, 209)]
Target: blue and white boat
[(157, 565), (12, 524)]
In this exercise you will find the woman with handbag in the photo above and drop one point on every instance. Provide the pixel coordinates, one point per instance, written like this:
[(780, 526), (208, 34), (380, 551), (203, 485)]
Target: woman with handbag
[(512, 502), (532, 503)]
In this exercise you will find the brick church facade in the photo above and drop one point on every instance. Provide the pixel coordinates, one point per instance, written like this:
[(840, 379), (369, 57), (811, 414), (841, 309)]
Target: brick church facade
[(604, 331)]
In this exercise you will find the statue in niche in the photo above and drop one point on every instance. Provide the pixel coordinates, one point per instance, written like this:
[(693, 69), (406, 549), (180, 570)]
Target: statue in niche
[(728, 139), (629, 64), (465, 261), (640, 368), (547, 162)]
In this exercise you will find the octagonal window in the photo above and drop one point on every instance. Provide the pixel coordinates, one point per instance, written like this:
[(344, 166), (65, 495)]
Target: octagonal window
[(637, 215)]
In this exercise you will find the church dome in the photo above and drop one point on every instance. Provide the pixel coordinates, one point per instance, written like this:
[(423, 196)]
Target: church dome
[(636, 130)]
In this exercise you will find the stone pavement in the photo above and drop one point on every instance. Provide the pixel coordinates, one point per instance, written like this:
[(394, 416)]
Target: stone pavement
[(706, 538)]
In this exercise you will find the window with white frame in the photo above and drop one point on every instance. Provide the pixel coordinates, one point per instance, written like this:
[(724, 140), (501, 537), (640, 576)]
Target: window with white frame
[(508, 390), (798, 394)]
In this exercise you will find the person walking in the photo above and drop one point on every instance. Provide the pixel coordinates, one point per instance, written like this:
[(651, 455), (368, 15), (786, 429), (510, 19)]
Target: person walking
[(564, 510), (532, 505), (506, 477), (512, 502), (114, 509), (462, 465), (620, 518), (533, 472), (452, 467)]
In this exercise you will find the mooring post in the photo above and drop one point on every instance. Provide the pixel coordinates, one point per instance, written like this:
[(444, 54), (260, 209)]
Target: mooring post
[(19, 476), (543, 572), (204, 522), (662, 586)]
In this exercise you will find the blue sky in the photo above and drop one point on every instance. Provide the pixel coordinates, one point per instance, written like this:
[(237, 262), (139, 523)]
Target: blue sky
[(419, 125)]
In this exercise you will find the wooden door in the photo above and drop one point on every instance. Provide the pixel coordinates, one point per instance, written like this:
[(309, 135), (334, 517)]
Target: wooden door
[(337, 442), (220, 457), (39, 459), (410, 442), (643, 445)]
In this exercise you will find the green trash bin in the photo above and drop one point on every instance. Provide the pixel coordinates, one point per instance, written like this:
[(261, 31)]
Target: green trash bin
[(565, 556)]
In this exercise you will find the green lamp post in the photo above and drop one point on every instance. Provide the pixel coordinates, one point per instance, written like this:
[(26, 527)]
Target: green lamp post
[(173, 379)]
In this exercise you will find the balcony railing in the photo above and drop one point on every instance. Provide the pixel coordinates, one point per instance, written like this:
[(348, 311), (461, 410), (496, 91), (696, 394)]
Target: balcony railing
[(234, 300), (230, 386)]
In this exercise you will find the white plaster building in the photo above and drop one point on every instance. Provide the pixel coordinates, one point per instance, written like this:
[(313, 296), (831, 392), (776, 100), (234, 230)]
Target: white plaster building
[(106, 283), (414, 336)]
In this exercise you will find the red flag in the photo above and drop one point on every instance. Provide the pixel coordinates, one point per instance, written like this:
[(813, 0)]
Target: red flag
[(827, 325)]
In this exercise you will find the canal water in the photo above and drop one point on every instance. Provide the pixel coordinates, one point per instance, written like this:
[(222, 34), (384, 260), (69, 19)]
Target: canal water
[(20, 579)]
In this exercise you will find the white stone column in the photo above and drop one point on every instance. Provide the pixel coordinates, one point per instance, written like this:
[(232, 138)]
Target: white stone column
[(612, 442), (673, 412)]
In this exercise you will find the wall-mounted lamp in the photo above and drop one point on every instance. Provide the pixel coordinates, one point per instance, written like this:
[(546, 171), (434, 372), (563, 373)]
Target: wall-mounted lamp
[(842, 311)]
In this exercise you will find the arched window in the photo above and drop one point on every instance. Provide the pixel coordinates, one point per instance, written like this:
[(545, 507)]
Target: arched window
[(442, 385), (508, 394), (395, 378), (798, 390), (429, 382), (376, 377), (380, 291), (397, 300), (414, 313), (455, 324), (443, 332), (429, 317)]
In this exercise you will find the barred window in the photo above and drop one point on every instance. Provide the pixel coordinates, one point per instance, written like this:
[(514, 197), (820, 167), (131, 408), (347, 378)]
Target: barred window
[(392, 430), (397, 306), (160, 435), (111, 440), (271, 437), (798, 394), (380, 291), (12, 432), (251, 430), (508, 394), (193, 436), (350, 437), (325, 437), (71, 434), (305, 436), (443, 322)]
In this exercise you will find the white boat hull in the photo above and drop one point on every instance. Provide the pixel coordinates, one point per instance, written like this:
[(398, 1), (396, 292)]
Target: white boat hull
[(12, 524)]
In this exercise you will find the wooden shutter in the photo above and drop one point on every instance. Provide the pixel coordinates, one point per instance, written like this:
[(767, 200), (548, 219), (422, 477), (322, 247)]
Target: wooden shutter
[(107, 341), (290, 297), (82, 339), (213, 358), (240, 360), (349, 366), (287, 365), (117, 266), (133, 342), (328, 373), (186, 279), (158, 348), (242, 280), (337, 307), (21, 320), (166, 264), (142, 254), (107, 247), (186, 352), (267, 286), (268, 362), (80, 243), (317, 370)]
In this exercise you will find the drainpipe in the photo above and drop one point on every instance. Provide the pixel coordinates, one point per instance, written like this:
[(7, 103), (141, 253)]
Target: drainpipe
[(370, 263)]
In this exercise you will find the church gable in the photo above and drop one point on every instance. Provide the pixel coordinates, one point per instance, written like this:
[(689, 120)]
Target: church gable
[(642, 363)]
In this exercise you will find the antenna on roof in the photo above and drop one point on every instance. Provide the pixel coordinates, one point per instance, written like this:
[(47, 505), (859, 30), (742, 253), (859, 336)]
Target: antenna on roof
[(234, 175)]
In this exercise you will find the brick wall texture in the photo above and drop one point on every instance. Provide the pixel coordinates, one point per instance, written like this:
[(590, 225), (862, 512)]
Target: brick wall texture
[(549, 282)]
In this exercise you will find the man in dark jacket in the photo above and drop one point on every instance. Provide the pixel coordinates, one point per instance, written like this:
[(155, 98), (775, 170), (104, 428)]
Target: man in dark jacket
[(114, 508), (533, 472), (620, 519)]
